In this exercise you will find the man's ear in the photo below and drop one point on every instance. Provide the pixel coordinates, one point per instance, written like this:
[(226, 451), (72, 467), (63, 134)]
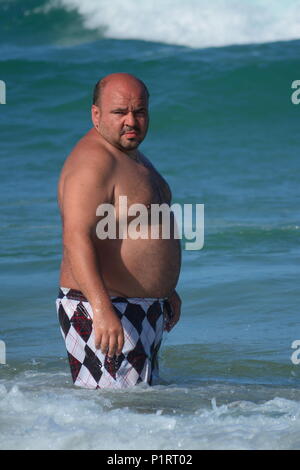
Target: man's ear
[(96, 114)]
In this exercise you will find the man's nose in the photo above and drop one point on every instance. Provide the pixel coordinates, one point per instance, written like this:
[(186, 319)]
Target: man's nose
[(130, 119)]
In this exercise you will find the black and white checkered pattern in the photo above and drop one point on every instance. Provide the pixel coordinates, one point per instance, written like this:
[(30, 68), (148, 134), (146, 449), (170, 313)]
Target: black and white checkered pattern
[(143, 322)]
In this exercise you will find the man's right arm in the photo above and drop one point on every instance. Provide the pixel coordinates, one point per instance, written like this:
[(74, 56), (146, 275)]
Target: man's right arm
[(85, 187)]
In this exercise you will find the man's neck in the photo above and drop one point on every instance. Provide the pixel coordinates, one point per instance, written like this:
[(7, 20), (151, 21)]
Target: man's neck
[(133, 154)]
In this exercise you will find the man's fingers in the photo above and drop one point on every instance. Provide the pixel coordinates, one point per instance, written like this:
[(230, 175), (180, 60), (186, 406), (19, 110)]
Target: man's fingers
[(116, 343), (109, 338), (120, 343), (112, 346), (98, 341), (171, 322), (104, 344)]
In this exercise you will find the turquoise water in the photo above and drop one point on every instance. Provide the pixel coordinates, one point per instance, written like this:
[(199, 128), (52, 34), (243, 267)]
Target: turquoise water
[(224, 133)]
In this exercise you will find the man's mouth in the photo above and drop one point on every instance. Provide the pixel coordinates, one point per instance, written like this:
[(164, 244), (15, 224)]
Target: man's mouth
[(130, 132)]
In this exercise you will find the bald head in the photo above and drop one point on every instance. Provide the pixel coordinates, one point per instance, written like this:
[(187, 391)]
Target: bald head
[(118, 81), (120, 110)]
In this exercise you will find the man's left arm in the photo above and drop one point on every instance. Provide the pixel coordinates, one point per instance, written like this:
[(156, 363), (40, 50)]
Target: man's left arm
[(175, 302)]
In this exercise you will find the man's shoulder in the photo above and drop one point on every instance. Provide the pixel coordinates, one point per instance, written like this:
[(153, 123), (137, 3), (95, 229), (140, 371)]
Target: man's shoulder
[(89, 165), (92, 151), (91, 154)]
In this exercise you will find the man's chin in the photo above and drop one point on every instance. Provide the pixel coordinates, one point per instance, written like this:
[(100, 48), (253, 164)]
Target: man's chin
[(130, 144)]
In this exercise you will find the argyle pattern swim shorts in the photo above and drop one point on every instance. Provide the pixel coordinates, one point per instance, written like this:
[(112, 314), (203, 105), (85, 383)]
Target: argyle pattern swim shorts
[(143, 321)]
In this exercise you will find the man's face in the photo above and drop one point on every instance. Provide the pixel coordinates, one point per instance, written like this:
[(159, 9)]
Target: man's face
[(123, 115)]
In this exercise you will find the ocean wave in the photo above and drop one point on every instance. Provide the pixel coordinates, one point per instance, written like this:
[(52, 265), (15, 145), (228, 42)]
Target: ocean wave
[(64, 418), (194, 23)]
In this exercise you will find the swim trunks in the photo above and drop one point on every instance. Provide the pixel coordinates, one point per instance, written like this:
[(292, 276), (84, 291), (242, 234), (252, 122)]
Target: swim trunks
[(143, 321)]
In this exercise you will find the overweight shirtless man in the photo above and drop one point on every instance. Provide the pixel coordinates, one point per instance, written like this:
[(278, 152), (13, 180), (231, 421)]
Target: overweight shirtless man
[(117, 295)]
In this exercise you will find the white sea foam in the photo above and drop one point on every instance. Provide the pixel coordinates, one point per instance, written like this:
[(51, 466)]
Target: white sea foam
[(194, 23), (68, 418)]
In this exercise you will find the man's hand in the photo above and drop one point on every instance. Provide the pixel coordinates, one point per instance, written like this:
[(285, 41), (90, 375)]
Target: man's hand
[(175, 303), (109, 334)]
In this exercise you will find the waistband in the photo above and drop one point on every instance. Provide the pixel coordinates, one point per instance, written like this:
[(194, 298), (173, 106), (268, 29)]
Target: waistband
[(74, 294)]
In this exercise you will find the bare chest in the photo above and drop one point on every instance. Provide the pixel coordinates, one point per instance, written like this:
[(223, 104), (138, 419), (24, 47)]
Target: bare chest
[(142, 185)]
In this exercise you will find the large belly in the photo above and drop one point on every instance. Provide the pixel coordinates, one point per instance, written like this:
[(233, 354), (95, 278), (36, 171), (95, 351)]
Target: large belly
[(140, 268)]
